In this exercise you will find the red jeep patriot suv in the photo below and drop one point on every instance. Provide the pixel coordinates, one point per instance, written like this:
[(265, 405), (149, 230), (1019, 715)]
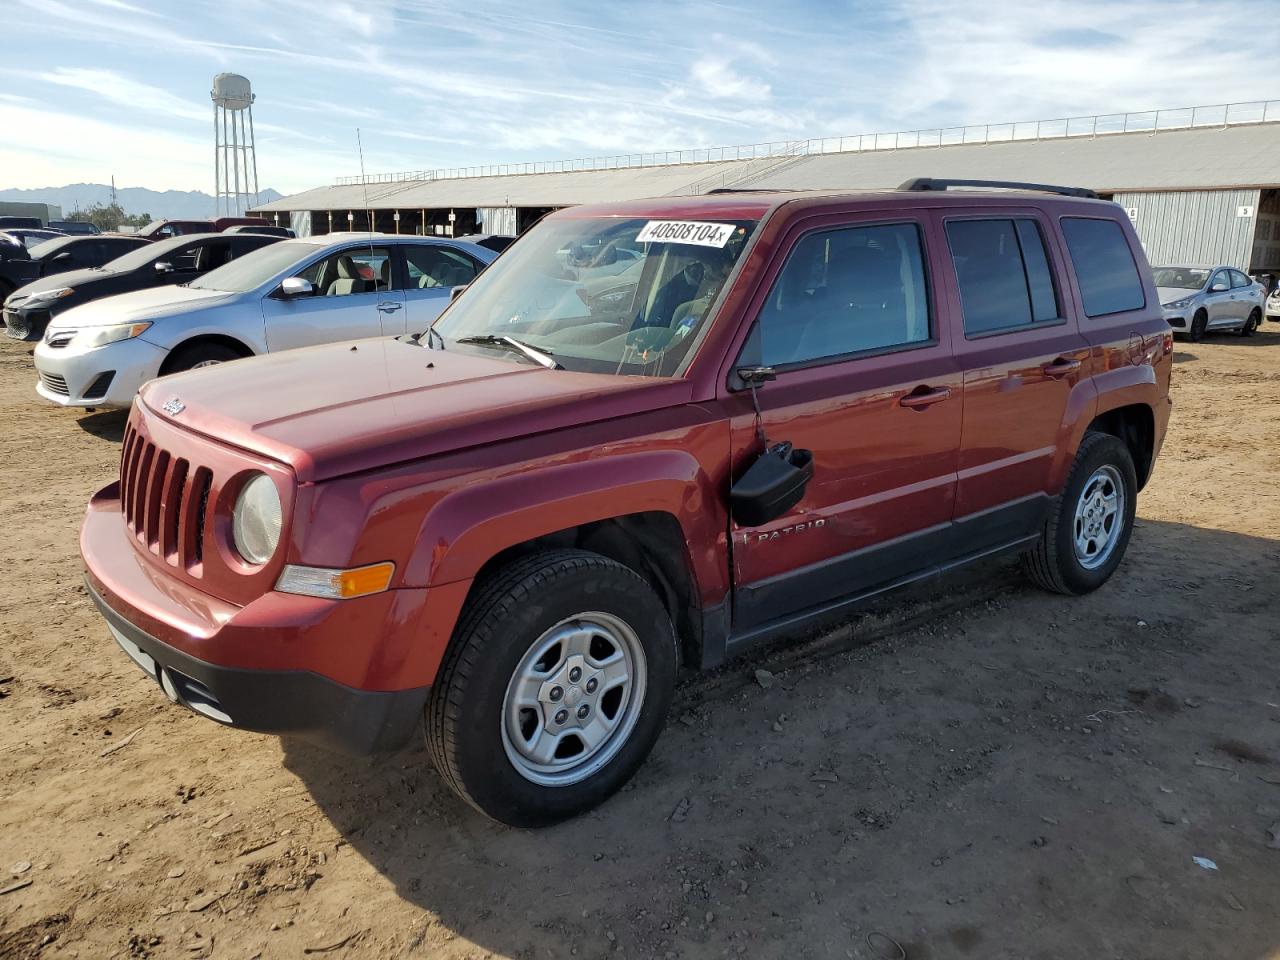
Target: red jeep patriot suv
[(653, 433)]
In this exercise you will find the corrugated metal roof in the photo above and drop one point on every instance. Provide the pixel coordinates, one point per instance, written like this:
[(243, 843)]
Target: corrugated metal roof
[(1201, 158), (1214, 158), (524, 190)]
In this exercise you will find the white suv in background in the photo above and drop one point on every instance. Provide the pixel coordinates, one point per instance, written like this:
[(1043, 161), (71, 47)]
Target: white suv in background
[(295, 293), (1272, 309)]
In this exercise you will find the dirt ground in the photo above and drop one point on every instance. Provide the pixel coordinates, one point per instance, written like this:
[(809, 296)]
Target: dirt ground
[(975, 769)]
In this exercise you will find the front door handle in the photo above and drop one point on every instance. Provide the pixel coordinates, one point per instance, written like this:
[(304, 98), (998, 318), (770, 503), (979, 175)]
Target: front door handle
[(1060, 368), (922, 397), (389, 306)]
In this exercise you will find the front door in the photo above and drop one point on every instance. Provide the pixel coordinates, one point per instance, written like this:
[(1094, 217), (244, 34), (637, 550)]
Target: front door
[(351, 297), (432, 270), (1219, 302), (1023, 356), (867, 382)]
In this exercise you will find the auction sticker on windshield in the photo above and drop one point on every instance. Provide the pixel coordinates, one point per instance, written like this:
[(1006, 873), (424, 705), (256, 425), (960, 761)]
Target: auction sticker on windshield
[(686, 231)]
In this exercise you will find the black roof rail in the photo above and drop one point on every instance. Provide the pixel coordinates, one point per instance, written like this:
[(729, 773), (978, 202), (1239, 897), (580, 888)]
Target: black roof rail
[(918, 184), (750, 190)]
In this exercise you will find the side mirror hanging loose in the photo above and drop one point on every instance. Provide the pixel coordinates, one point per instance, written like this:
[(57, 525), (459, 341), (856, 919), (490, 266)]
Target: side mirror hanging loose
[(777, 480)]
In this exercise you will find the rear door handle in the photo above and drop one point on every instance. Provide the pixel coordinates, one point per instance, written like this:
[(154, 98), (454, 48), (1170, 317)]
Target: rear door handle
[(923, 397), (389, 306), (1060, 367)]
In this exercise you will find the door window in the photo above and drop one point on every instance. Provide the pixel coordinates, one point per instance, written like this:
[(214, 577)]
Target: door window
[(1003, 273), (357, 270), (437, 266), (1238, 280), (847, 291), (212, 255), (1105, 270), (1221, 281)]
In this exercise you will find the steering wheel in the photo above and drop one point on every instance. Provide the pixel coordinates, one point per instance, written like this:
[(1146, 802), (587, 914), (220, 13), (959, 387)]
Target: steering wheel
[(649, 339)]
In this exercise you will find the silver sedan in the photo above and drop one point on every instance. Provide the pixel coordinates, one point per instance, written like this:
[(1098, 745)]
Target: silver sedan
[(1200, 300), (295, 293)]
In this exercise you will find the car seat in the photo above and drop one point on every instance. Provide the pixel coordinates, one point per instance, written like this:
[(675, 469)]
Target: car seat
[(348, 279)]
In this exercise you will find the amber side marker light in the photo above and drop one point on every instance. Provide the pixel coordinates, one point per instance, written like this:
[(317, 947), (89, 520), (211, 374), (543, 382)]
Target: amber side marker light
[(336, 584)]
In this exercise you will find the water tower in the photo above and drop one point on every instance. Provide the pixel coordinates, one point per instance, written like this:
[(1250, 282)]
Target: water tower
[(235, 163)]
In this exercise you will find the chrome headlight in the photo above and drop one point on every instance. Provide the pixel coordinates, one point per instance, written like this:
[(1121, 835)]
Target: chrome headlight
[(45, 296), (101, 336), (255, 523), (1179, 304)]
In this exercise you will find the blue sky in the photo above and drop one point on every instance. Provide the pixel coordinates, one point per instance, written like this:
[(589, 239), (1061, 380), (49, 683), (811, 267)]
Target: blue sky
[(92, 88)]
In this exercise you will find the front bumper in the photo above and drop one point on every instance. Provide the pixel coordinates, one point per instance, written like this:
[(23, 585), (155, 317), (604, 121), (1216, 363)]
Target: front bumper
[(1177, 319), (107, 376), (282, 702), (282, 664)]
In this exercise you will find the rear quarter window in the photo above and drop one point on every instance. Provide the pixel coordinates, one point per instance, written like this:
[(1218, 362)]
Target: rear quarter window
[(1105, 269)]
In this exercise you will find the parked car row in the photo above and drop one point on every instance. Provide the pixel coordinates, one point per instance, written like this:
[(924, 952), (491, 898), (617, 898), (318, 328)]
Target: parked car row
[(650, 434), (242, 295), (160, 264), (27, 311), (20, 265)]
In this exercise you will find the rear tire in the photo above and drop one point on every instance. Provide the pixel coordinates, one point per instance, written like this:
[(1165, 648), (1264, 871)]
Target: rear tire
[(1251, 324), (1082, 543), (562, 649), (1199, 323), (200, 355)]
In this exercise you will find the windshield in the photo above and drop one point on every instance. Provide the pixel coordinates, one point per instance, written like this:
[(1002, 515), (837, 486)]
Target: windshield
[(49, 246), (604, 295), (251, 270), (146, 254), (1188, 278)]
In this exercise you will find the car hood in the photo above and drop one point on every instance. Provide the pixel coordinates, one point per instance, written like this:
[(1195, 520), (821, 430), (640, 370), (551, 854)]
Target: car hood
[(67, 278), (341, 408), (1171, 294), (149, 304)]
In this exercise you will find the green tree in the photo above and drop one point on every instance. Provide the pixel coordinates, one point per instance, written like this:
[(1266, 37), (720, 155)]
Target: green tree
[(110, 216)]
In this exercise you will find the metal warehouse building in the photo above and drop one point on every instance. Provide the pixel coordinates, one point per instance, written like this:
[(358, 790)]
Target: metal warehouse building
[(1201, 184)]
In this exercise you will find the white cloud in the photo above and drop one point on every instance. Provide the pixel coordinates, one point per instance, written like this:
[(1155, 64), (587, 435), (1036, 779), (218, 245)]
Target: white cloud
[(716, 77), (125, 92)]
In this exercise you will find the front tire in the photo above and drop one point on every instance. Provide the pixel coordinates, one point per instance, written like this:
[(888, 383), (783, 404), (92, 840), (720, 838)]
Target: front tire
[(1090, 522), (1199, 323), (199, 355), (555, 687)]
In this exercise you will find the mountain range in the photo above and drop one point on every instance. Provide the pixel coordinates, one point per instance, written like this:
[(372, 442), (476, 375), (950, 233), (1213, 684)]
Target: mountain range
[(166, 204)]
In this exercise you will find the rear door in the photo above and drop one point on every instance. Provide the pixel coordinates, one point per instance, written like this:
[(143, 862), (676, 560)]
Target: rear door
[(1244, 294), (432, 270), (1024, 363), (349, 300), (866, 381)]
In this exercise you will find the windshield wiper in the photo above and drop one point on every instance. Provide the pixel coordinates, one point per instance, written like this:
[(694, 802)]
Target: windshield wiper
[(542, 357), (416, 338)]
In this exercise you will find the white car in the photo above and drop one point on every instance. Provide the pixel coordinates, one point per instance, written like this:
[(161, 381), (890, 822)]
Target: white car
[(295, 293), (1273, 305)]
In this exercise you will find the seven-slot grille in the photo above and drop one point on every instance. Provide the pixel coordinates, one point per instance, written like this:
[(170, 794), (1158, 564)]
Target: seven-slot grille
[(165, 500)]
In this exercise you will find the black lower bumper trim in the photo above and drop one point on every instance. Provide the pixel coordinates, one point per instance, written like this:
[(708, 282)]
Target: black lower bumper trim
[(283, 702)]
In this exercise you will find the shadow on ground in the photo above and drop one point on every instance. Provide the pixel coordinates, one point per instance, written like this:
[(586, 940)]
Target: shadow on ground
[(1013, 778), (107, 424)]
